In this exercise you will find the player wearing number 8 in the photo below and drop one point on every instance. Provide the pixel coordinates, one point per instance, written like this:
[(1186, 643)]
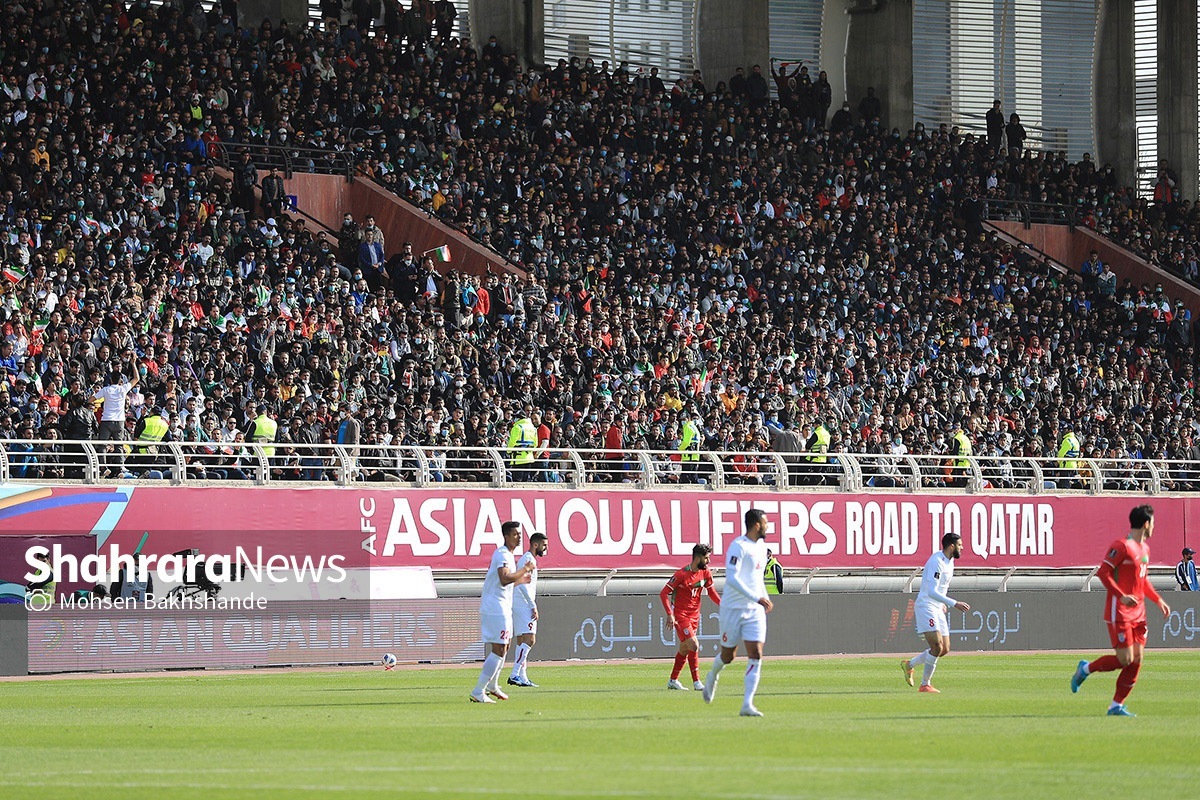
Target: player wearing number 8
[(1124, 573), (930, 610)]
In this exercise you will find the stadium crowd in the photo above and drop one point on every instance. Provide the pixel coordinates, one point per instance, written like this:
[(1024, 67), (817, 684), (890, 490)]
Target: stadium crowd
[(697, 255)]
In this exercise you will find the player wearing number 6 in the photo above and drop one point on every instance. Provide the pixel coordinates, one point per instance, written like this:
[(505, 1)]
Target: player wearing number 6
[(1123, 573), (496, 612), (930, 610)]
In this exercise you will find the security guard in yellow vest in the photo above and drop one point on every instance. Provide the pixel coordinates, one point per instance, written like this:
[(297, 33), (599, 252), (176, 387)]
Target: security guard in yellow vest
[(1068, 453), (773, 574), (820, 442), (151, 428), (522, 447), (691, 437), (962, 449), (263, 429)]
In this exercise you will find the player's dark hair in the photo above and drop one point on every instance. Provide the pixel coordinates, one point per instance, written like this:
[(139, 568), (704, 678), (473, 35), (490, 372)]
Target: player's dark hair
[(509, 527), (537, 537), (1140, 515), (754, 515), (701, 550), (949, 539)]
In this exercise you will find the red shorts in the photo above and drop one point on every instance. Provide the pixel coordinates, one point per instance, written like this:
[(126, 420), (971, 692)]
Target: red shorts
[(685, 629), (1125, 634)]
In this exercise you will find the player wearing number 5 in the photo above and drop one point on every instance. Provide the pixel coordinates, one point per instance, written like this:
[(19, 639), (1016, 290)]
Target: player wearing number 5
[(1123, 573), (495, 611), (930, 610), (525, 612)]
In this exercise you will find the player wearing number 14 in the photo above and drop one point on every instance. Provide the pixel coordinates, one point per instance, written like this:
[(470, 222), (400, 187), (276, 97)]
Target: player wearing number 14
[(1124, 573), (681, 597)]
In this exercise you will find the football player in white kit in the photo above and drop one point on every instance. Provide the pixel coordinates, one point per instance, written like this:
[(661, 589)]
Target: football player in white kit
[(525, 613), (495, 612), (930, 610), (744, 609)]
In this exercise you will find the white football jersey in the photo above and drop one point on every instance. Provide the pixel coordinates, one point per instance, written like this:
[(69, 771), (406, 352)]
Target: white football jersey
[(935, 580), (526, 593), (497, 599), (745, 561)]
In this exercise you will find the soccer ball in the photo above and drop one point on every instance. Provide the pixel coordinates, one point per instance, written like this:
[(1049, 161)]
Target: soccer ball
[(388, 661)]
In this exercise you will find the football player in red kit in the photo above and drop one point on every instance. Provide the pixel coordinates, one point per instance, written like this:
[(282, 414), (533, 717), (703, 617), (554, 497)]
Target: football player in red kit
[(1124, 574), (681, 597)]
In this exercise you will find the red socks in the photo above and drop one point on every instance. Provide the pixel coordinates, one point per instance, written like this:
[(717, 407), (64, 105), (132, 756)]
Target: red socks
[(1126, 680), (693, 660), (679, 659), (1104, 664)]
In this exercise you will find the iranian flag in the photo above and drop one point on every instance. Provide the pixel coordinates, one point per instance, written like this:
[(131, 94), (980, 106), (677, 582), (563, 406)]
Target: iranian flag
[(441, 253), (39, 326), (15, 272)]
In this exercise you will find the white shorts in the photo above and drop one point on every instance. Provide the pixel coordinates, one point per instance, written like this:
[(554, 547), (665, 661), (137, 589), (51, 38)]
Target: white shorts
[(743, 625), (495, 628), (932, 619), (523, 621)]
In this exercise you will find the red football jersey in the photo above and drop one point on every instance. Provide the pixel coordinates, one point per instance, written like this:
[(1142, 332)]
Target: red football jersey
[(683, 592), (1124, 573)]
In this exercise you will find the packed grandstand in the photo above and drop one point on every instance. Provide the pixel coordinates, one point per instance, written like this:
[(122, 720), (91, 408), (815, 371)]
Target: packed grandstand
[(698, 251)]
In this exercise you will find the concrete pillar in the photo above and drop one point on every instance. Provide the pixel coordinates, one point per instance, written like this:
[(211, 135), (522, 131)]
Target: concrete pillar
[(1116, 136), (732, 34), (835, 25), (1177, 91), (518, 25), (879, 54)]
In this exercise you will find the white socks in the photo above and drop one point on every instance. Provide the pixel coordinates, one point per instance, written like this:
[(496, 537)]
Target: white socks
[(520, 660), (487, 675), (753, 668), (930, 666), (717, 666)]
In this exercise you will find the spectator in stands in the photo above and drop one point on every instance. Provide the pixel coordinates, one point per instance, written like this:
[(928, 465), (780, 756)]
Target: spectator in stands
[(995, 127), (1015, 133)]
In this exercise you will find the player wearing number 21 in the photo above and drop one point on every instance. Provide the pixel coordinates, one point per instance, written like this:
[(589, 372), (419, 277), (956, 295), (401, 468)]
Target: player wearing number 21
[(1124, 574), (496, 611), (930, 610)]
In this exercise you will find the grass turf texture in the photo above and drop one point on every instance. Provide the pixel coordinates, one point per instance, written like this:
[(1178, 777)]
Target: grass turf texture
[(1004, 727)]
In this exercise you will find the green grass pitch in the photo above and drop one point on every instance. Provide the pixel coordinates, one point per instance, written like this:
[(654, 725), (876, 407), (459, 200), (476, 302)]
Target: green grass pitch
[(1005, 726)]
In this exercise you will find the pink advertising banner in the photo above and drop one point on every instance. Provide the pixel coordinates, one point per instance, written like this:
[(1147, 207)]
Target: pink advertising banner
[(457, 528)]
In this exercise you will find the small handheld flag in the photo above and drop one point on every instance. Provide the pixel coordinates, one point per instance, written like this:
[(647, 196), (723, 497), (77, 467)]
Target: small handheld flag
[(439, 253)]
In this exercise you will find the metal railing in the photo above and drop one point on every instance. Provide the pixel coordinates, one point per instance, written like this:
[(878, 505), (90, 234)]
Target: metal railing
[(1028, 212), (187, 462), (288, 159)]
